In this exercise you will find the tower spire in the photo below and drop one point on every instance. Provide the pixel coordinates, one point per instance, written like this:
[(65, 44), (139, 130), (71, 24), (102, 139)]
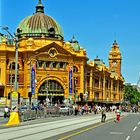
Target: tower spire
[(39, 7)]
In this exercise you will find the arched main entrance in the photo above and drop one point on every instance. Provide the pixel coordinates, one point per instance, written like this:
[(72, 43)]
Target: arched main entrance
[(52, 90)]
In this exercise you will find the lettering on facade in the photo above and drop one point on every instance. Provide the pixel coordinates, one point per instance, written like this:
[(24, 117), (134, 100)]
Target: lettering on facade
[(70, 81), (33, 79)]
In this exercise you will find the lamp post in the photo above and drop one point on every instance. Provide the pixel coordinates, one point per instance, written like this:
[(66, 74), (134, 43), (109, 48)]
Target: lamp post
[(46, 85), (47, 88), (11, 82), (14, 116), (16, 39)]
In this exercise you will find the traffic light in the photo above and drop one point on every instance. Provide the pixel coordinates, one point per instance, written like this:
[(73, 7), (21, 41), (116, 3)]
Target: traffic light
[(29, 94), (19, 31)]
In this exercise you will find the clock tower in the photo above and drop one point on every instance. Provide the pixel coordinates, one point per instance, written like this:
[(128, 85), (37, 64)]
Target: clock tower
[(115, 58)]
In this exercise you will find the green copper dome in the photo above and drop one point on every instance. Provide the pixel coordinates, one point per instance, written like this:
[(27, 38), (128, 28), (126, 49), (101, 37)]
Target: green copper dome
[(75, 44), (39, 23)]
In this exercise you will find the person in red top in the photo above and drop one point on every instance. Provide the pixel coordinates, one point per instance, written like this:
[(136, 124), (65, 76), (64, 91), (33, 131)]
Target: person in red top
[(117, 114)]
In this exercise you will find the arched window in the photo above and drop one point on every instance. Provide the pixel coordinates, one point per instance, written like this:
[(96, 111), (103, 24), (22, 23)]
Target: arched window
[(13, 65), (54, 87), (75, 69)]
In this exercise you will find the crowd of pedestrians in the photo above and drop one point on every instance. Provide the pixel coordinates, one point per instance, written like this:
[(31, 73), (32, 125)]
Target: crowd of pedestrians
[(42, 108)]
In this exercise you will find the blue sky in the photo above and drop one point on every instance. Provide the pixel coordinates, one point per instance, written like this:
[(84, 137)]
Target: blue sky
[(95, 24)]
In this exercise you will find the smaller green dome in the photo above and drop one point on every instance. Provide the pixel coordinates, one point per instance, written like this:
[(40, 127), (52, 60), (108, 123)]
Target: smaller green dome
[(76, 47), (75, 44)]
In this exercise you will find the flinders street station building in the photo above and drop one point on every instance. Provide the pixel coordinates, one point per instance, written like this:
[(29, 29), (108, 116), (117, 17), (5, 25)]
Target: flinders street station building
[(51, 68)]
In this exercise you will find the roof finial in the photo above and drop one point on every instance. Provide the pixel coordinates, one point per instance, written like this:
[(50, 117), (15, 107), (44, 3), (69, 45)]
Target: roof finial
[(39, 7), (115, 42), (73, 40), (39, 2)]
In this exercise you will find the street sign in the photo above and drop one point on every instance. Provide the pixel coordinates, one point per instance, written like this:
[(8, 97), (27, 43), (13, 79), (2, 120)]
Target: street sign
[(14, 94), (14, 99)]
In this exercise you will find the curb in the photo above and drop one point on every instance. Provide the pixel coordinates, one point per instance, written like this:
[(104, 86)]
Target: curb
[(41, 120)]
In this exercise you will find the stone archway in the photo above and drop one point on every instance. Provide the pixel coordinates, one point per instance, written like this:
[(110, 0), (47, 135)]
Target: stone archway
[(51, 89)]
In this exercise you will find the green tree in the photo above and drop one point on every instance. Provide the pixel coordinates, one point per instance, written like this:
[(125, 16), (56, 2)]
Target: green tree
[(131, 94)]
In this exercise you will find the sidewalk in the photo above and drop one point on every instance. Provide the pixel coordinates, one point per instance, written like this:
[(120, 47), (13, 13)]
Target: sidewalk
[(52, 119), (1, 114)]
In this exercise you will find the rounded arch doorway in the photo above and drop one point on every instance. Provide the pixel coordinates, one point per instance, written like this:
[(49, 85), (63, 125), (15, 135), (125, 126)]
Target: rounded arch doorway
[(52, 91)]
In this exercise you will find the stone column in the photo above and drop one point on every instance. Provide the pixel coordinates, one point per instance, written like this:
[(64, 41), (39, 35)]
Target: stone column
[(118, 93), (91, 85), (82, 80), (104, 87), (100, 87), (111, 90)]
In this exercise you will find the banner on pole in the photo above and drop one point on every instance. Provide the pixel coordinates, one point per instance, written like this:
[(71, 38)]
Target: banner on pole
[(70, 81), (33, 80)]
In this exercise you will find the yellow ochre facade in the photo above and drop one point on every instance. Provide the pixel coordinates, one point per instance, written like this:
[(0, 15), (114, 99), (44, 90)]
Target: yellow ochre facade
[(62, 69)]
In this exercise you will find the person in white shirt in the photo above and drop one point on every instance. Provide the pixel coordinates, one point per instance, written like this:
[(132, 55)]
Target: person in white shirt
[(6, 112)]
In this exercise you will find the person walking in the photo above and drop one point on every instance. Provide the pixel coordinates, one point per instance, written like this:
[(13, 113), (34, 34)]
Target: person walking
[(118, 114), (103, 112), (6, 112)]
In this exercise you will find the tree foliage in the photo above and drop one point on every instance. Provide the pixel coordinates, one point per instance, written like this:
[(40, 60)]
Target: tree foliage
[(131, 94)]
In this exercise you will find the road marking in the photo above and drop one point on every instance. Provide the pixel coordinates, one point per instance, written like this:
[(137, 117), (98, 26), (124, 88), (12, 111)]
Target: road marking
[(128, 137), (135, 128), (82, 131), (116, 133), (138, 123)]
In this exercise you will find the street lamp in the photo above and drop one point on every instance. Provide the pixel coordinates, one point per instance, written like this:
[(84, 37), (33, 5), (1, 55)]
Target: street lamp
[(16, 39), (47, 86), (14, 116)]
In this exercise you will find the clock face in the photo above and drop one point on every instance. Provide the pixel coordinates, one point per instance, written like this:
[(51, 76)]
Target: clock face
[(115, 63), (52, 52)]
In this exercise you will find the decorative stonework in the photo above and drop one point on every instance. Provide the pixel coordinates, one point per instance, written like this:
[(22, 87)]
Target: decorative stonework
[(64, 79), (30, 43), (38, 78), (52, 52)]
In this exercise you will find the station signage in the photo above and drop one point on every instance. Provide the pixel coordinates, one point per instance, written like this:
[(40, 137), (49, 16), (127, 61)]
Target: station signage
[(70, 81), (14, 99), (33, 80)]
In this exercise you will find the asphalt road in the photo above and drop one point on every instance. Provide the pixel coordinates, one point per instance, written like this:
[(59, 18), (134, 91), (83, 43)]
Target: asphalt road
[(127, 129), (87, 127), (47, 129)]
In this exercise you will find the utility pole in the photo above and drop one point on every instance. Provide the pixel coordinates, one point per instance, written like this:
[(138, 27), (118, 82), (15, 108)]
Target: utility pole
[(16, 40), (11, 82), (47, 88), (14, 105), (11, 78)]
